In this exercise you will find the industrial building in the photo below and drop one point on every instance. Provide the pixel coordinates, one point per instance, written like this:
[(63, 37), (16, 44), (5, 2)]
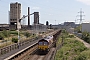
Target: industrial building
[(15, 14), (36, 17), (85, 27)]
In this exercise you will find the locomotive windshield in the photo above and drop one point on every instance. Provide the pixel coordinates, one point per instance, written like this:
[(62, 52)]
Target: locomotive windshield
[(45, 43), (40, 43)]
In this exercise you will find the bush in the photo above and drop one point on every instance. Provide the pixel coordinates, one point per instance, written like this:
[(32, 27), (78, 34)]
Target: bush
[(1, 36), (5, 33), (87, 39), (86, 36), (79, 31), (15, 40), (27, 34), (14, 32), (71, 36)]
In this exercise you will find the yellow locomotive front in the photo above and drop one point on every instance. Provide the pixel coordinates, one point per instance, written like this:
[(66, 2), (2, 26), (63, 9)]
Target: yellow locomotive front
[(43, 45)]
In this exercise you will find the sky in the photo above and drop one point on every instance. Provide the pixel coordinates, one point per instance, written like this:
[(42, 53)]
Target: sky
[(53, 11)]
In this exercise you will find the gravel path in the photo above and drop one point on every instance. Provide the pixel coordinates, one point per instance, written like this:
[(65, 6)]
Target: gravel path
[(85, 43)]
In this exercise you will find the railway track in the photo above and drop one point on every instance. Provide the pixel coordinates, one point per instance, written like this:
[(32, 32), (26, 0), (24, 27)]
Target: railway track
[(29, 55), (23, 53), (47, 56)]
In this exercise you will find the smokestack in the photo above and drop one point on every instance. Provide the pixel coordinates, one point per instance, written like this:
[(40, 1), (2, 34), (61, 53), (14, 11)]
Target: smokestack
[(28, 16)]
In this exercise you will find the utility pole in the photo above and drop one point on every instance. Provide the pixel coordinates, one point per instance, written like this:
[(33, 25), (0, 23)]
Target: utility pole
[(81, 16)]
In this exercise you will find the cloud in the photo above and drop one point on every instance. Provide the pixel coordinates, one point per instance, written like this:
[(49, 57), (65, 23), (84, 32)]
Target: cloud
[(87, 2), (36, 8)]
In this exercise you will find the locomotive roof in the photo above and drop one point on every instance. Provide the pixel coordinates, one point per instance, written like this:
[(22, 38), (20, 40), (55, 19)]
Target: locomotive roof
[(48, 38)]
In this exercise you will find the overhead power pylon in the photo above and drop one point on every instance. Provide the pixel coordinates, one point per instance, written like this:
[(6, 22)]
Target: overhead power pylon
[(81, 16)]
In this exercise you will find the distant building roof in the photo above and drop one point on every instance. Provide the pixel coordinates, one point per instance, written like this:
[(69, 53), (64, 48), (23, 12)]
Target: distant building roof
[(69, 23)]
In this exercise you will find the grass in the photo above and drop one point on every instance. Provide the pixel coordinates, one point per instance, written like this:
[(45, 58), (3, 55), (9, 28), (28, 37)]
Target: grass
[(72, 49), (59, 40)]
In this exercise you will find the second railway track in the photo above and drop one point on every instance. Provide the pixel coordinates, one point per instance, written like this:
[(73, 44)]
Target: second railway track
[(25, 55), (37, 56)]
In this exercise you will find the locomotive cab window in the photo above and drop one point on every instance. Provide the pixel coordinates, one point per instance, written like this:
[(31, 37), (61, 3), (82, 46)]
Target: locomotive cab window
[(45, 43), (40, 43)]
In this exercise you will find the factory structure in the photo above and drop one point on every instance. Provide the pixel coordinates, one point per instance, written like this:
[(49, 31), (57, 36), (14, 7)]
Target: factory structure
[(15, 19), (15, 14), (85, 27)]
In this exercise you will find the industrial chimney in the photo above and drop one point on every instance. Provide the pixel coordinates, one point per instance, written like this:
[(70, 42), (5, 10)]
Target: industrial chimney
[(28, 16)]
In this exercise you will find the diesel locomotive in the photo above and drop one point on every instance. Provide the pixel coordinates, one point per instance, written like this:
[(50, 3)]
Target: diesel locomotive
[(45, 44)]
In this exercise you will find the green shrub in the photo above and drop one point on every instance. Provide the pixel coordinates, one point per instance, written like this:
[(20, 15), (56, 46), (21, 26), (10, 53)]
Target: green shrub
[(14, 32), (87, 39), (5, 33), (27, 34), (79, 31), (86, 36), (71, 36), (15, 40), (1, 36)]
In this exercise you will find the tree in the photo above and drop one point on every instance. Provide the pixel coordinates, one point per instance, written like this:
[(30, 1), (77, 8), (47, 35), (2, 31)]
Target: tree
[(15, 40), (78, 29), (47, 23), (50, 26)]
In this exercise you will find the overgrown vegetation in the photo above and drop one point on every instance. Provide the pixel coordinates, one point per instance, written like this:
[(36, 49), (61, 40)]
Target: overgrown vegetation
[(14, 32), (86, 36), (4, 34), (27, 34), (15, 40), (12, 36), (72, 49), (78, 29), (1, 36)]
